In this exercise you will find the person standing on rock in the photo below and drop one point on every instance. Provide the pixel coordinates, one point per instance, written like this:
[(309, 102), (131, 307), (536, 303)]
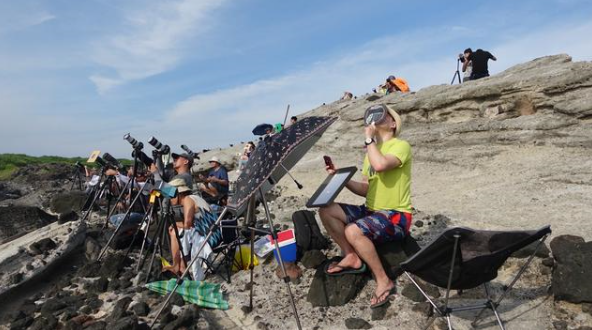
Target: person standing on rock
[(479, 60), (386, 214)]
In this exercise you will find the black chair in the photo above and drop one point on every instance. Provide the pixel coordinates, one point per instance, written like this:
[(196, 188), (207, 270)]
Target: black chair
[(223, 254), (462, 258)]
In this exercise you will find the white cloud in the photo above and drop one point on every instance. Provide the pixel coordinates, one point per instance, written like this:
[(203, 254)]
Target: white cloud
[(151, 41), (242, 107)]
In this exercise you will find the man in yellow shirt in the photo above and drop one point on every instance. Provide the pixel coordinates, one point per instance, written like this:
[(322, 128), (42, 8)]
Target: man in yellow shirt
[(386, 215)]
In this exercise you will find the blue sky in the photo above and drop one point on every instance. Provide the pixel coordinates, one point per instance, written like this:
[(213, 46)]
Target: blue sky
[(75, 76)]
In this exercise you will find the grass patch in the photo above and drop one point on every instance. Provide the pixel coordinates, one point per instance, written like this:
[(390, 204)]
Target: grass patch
[(10, 163)]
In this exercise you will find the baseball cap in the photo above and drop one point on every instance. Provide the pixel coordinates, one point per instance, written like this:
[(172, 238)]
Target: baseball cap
[(215, 159), (184, 155)]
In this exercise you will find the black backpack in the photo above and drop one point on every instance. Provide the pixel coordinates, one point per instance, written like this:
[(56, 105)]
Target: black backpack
[(307, 232)]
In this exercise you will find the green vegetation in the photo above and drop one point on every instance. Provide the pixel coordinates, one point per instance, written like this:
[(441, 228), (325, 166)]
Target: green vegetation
[(9, 163)]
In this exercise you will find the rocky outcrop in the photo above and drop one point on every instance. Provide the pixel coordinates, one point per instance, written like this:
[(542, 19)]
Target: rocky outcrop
[(573, 269), (19, 220), (68, 202)]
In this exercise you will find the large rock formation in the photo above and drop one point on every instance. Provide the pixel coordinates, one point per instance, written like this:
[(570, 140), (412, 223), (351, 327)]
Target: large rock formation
[(19, 220)]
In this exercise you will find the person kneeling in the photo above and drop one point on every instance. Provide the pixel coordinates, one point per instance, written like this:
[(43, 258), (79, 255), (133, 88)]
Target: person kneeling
[(386, 214)]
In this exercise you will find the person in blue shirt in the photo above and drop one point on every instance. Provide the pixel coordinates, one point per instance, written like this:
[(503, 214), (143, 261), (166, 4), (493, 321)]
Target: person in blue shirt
[(215, 185)]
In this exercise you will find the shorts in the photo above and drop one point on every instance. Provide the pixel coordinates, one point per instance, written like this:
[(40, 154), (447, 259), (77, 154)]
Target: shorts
[(379, 226)]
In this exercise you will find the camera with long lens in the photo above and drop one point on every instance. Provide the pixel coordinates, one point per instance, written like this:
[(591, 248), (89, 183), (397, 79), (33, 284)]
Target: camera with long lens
[(135, 144), (461, 58), (163, 149), (142, 157), (113, 162), (189, 151)]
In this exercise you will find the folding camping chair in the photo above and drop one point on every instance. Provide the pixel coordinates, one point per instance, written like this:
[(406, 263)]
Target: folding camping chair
[(223, 254), (462, 258)]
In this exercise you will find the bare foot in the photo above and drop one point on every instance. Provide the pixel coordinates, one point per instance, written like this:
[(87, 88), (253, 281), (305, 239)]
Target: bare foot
[(350, 261)]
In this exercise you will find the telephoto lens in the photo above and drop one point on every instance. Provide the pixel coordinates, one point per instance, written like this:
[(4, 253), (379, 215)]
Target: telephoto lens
[(143, 157), (164, 149), (100, 161), (132, 141), (112, 161)]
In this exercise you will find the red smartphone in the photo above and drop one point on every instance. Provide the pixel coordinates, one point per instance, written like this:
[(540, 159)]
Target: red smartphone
[(329, 162)]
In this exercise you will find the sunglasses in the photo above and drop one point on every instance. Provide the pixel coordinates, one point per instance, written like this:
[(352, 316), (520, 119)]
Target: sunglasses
[(375, 114)]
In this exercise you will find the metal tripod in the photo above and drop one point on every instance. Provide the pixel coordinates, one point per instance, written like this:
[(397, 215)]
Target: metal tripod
[(457, 73)]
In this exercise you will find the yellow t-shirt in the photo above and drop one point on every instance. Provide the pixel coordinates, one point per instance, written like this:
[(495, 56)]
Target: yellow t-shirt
[(390, 190)]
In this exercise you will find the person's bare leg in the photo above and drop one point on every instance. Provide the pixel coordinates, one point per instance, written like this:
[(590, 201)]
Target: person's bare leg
[(333, 219), (178, 264), (366, 250)]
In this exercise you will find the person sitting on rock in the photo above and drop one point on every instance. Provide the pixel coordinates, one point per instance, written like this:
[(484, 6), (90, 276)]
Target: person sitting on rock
[(193, 218), (215, 186), (347, 96), (386, 214)]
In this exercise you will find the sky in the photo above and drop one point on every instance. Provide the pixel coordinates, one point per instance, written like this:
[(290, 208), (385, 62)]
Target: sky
[(75, 76)]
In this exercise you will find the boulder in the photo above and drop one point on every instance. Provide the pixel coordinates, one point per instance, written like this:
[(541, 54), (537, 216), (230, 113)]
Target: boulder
[(393, 253), (68, 202), (141, 309), (119, 310), (525, 252), (357, 323), (313, 258), (91, 249), (573, 269), (68, 216), (42, 246), (328, 290), (16, 221)]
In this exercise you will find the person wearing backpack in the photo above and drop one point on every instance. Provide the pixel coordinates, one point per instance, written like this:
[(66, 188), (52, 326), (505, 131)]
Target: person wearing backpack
[(386, 214)]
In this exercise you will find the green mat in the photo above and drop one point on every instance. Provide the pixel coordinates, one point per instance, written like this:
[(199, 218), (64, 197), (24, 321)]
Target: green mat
[(197, 292)]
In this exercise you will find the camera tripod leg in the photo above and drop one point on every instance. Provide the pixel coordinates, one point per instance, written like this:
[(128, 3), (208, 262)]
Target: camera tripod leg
[(141, 261), (101, 189), (125, 218), (193, 259), (279, 256)]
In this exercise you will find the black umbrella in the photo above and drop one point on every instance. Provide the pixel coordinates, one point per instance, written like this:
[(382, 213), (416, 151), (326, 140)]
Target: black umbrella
[(274, 156), (261, 129)]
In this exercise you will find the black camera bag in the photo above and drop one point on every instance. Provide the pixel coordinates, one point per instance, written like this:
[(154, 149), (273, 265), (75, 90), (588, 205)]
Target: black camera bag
[(307, 232)]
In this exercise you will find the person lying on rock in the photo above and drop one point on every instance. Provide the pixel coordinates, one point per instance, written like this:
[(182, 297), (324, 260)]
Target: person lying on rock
[(386, 214)]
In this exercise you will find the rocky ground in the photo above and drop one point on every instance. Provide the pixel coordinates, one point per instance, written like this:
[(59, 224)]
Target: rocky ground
[(506, 152)]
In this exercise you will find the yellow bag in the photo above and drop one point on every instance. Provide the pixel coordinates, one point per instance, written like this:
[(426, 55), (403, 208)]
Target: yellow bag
[(242, 258)]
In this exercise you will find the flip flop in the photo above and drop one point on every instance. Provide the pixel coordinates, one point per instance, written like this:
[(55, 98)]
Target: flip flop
[(346, 270), (389, 293)]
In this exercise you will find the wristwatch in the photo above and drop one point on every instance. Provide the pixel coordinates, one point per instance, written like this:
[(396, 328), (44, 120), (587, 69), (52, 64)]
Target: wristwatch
[(369, 141)]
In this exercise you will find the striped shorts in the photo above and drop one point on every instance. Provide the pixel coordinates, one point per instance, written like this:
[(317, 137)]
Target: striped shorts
[(379, 226)]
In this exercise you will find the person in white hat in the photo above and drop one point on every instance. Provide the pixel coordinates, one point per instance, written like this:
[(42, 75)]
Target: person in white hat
[(386, 214), (215, 185)]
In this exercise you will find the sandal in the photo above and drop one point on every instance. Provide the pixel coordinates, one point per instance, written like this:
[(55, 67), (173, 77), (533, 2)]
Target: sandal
[(387, 294)]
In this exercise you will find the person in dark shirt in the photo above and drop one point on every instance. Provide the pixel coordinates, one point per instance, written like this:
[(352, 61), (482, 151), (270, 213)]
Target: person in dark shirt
[(216, 184), (479, 60)]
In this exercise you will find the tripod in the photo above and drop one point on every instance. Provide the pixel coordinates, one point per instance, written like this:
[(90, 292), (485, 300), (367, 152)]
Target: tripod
[(76, 178), (97, 191), (250, 215), (457, 73)]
